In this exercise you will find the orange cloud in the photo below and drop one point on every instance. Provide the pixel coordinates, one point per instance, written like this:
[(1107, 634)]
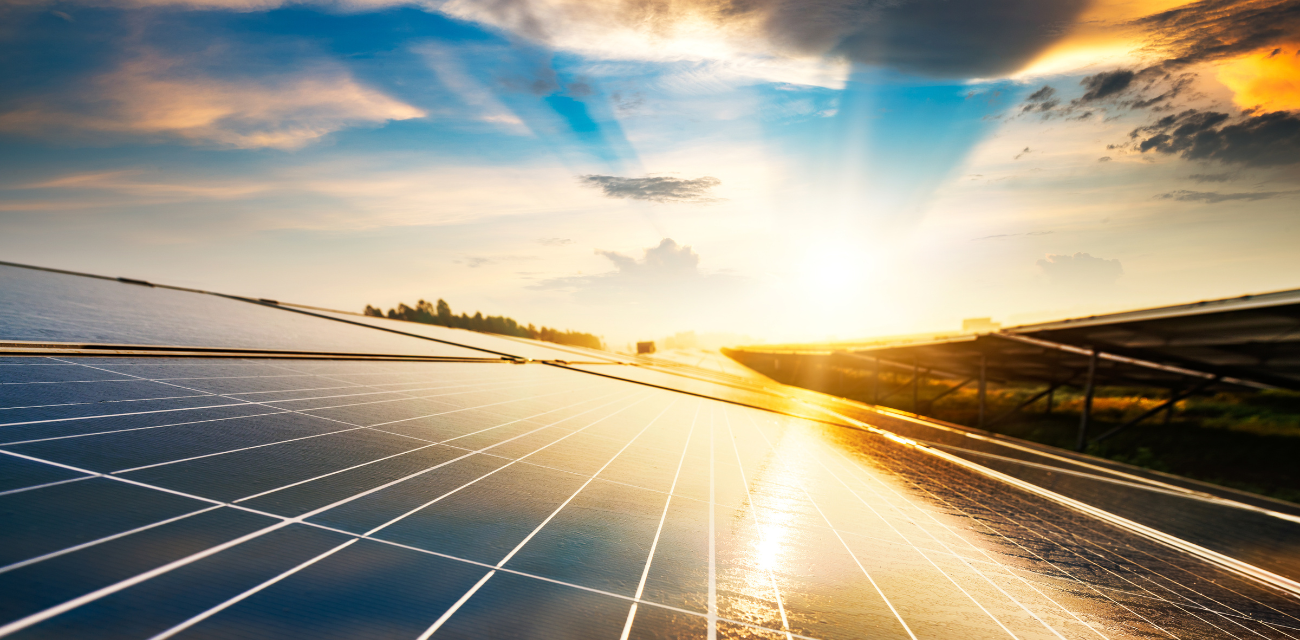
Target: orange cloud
[(1268, 79), (153, 97)]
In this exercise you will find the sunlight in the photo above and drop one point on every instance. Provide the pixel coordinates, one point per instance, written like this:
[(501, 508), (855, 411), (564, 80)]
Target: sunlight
[(832, 269)]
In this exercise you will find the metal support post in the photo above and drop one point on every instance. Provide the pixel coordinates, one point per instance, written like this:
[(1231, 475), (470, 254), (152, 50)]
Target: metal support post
[(1086, 414), (1169, 411), (875, 385), (983, 392), (916, 387)]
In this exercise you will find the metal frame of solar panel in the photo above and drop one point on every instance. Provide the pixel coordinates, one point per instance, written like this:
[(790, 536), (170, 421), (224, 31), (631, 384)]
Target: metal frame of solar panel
[(307, 479)]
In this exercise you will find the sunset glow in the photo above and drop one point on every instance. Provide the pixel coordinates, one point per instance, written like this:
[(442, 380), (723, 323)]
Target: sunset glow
[(769, 169)]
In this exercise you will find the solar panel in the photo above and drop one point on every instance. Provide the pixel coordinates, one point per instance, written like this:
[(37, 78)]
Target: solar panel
[(515, 346), (44, 306), (334, 499), (242, 497)]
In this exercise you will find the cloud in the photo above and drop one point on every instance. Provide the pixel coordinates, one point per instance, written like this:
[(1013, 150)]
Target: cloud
[(1270, 139), (810, 42), (1213, 197), (161, 97), (1080, 270), (1011, 235), (1107, 84), (668, 271), (1210, 177), (1042, 100), (1217, 29), (655, 189), (945, 38), (554, 242)]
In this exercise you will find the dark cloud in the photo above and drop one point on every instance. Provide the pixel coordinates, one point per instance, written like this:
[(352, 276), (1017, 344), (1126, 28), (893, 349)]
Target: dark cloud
[(1270, 139), (1210, 177), (1105, 85), (1212, 197), (1103, 159), (938, 38), (1080, 269), (1043, 100), (1217, 29), (655, 189)]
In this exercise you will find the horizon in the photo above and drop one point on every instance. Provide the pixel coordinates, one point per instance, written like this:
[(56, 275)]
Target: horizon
[(791, 174)]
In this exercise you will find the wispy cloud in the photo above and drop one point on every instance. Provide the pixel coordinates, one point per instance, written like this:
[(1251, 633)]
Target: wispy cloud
[(162, 98), (1080, 269), (1212, 197), (655, 189)]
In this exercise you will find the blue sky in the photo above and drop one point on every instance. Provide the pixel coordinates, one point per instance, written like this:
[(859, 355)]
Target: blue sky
[(885, 171)]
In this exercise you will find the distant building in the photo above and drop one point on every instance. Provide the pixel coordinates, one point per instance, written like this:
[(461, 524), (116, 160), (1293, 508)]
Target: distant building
[(645, 347), (980, 325)]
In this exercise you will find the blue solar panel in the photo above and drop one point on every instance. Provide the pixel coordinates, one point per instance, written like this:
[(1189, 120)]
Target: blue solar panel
[(45, 306), (344, 499)]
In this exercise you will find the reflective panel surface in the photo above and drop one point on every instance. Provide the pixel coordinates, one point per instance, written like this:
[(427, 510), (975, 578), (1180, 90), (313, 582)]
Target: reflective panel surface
[(40, 305), (192, 498)]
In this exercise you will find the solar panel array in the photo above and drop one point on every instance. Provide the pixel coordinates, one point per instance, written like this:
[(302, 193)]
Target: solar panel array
[(160, 497)]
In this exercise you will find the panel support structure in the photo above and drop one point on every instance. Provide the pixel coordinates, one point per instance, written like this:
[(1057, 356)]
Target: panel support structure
[(1026, 403), (1086, 414), (1164, 406), (983, 393), (930, 403)]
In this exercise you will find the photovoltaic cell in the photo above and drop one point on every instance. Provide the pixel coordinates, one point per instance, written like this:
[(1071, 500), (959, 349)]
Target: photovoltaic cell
[(333, 499)]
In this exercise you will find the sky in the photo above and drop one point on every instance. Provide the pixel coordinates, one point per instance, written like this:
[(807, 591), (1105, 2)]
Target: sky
[(783, 170)]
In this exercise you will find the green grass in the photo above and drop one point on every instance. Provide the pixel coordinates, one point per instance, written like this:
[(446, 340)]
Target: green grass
[(1248, 441)]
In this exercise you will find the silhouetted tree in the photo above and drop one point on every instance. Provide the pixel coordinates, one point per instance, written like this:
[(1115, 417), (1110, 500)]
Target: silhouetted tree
[(440, 314)]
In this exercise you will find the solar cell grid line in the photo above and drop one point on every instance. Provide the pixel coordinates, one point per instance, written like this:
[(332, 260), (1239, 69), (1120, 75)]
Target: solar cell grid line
[(86, 545), (1092, 525), (974, 547), (430, 444), (285, 441), (1145, 570), (954, 554), (1087, 583), (156, 426), (352, 427), (961, 557), (713, 530), (108, 538), (847, 549), (108, 590), (1153, 624), (1026, 626), (929, 560), (42, 486), (437, 624), (778, 455), (654, 545), (758, 526)]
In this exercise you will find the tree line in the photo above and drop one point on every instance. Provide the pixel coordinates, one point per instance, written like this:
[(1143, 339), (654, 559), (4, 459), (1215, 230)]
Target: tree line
[(440, 314)]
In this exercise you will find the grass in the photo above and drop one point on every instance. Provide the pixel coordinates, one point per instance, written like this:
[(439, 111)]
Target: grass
[(1248, 440)]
